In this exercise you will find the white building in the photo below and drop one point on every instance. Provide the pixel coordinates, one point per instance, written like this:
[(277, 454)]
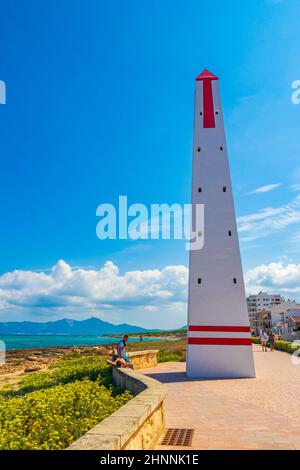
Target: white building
[(262, 301), (293, 328), (219, 343), (283, 317)]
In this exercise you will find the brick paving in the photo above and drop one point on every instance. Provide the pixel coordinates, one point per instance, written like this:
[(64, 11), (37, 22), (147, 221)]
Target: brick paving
[(260, 413)]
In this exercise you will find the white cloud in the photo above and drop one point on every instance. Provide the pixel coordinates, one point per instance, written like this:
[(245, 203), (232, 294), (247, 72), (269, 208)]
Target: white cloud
[(78, 292), (152, 298), (265, 189), (274, 278), (269, 220)]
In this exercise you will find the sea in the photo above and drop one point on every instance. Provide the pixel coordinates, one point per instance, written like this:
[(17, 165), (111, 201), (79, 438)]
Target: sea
[(47, 341)]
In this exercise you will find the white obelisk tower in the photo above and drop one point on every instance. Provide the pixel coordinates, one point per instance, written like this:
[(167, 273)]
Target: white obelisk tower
[(219, 343)]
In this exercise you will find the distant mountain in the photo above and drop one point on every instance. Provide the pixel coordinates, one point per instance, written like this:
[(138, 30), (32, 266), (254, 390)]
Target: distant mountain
[(91, 326)]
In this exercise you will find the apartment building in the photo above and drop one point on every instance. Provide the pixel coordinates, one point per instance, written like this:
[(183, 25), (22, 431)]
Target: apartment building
[(261, 302)]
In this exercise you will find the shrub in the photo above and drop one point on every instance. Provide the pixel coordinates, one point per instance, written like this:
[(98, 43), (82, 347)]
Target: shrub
[(165, 356), (68, 371), (49, 410), (53, 418), (255, 340), (286, 346)]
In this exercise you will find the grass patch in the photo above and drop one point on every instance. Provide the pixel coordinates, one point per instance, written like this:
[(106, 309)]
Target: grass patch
[(165, 356), (173, 350)]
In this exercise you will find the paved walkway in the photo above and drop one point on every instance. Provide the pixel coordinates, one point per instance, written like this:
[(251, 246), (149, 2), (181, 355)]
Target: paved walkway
[(260, 413)]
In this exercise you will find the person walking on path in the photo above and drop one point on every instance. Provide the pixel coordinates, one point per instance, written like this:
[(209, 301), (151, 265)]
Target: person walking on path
[(263, 340), (271, 340)]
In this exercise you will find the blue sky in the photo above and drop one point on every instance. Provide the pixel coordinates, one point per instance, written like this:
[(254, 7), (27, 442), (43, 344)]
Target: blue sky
[(100, 104)]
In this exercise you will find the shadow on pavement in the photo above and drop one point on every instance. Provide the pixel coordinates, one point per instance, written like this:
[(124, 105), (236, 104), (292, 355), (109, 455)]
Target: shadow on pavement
[(172, 377)]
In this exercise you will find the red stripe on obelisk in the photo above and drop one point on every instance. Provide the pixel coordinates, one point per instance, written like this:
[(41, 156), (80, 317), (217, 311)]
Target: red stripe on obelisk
[(231, 329), (208, 105), (208, 101), (221, 341)]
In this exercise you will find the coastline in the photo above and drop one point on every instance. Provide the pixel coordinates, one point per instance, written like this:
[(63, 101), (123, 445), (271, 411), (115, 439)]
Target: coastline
[(34, 359), (27, 341), (20, 361)]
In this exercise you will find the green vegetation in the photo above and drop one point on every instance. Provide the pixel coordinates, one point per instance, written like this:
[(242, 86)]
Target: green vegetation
[(165, 356), (255, 340), (49, 410), (286, 346), (171, 350), (69, 370)]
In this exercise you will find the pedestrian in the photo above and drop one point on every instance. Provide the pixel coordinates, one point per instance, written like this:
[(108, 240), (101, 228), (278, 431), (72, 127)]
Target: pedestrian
[(263, 340), (271, 340)]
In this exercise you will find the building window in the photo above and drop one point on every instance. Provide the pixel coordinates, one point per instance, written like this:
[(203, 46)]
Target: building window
[(199, 149), (221, 148), (199, 280), (234, 280), (200, 113), (199, 190), (217, 112), (224, 189), (229, 233)]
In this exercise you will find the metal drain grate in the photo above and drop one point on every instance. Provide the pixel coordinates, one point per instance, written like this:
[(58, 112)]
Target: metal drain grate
[(178, 437)]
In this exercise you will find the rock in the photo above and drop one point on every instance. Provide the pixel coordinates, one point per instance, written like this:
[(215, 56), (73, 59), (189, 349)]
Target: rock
[(31, 369), (32, 358)]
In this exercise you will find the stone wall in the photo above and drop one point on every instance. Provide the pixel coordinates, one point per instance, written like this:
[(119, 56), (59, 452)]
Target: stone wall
[(143, 359), (138, 425)]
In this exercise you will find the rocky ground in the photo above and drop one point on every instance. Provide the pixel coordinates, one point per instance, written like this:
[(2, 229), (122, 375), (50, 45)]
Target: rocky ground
[(24, 361)]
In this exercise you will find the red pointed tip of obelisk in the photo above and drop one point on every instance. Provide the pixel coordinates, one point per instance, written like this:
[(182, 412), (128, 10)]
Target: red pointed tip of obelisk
[(206, 75)]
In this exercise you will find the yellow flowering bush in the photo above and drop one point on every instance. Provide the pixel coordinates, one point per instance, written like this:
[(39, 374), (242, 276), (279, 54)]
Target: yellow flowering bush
[(67, 371), (52, 409)]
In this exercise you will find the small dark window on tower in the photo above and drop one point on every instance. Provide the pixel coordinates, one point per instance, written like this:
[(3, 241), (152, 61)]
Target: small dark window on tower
[(199, 190), (229, 233), (224, 189), (199, 280), (199, 149), (221, 148), (200, 113), (217, 112), (234, 280)]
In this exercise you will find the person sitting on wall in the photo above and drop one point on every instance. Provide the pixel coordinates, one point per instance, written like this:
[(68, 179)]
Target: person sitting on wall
[(117, 361), (121, 346)]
